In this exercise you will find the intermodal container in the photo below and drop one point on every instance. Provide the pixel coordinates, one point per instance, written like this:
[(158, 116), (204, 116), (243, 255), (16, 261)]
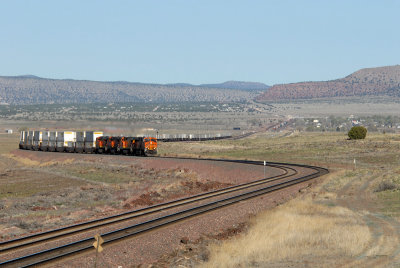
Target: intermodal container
[(45, 141), (60, 141), (69, 141)]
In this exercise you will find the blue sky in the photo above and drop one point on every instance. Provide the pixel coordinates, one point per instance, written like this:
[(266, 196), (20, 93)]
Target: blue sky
[(197, 41)]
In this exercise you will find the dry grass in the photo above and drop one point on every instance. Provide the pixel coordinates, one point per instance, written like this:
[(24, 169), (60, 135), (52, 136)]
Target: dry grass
[(317, 231), (330, 149), (23, 161), (292, 232), (8, 143), (341, 178)]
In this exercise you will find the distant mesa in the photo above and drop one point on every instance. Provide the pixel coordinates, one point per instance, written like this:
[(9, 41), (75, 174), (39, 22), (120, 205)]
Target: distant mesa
[(251, 86), (240, 85), (381, 81), (30, 89), (27, 76)]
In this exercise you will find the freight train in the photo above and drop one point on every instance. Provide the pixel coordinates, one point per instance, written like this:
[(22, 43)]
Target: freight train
[(87, 142)]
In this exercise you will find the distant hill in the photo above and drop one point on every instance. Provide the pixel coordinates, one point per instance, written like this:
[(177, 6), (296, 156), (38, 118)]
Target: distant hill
[(240, 85), (248, 86), (29, 89), (371, 81)]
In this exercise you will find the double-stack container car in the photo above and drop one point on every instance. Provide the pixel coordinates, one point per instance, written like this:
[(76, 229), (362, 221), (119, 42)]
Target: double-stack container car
[(79, 142), (60, 141), (52, 141), (22, 140), (69, 141), (37, 140), (29, 144), (90, 140), (45, 141)]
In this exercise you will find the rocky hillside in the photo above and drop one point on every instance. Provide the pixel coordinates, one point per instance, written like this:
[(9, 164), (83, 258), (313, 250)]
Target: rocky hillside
[(30, 89), (370, 81)]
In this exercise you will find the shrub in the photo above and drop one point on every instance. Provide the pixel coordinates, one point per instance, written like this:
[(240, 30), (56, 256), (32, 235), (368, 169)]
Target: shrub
[(386, 185), (357, 132)]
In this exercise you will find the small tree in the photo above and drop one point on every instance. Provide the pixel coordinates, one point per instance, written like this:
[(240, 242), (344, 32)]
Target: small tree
[(357, 132)]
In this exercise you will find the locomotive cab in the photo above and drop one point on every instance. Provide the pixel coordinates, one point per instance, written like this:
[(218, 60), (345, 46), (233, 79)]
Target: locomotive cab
[(150, 146)]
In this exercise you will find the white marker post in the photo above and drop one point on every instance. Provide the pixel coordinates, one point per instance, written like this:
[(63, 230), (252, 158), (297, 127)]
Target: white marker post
[(355, 165), (265, 164)]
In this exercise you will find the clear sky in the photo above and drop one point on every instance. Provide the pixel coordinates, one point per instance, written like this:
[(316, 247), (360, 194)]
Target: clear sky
[(197, 41)]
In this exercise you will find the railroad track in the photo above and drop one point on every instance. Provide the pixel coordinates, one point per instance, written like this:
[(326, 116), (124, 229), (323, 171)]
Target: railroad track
[(62, 232), (226, 196)]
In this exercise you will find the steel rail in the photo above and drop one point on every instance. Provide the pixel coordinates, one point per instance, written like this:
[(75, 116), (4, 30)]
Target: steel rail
[(85, 244), (80, 227)]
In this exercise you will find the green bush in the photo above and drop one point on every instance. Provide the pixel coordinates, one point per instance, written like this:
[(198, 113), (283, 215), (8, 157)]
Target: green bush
[(357, 132)]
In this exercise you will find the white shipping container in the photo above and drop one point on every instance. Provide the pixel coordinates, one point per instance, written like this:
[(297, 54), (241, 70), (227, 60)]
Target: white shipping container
[(95, 136), (69, 137)]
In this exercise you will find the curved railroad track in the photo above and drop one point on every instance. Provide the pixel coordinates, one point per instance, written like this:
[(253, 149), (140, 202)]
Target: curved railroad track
[(162, 214)]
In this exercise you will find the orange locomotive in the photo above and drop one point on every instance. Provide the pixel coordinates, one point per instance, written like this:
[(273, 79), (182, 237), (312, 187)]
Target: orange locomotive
[(126, 145), (101, 144), (112, 145), (150, 145)]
